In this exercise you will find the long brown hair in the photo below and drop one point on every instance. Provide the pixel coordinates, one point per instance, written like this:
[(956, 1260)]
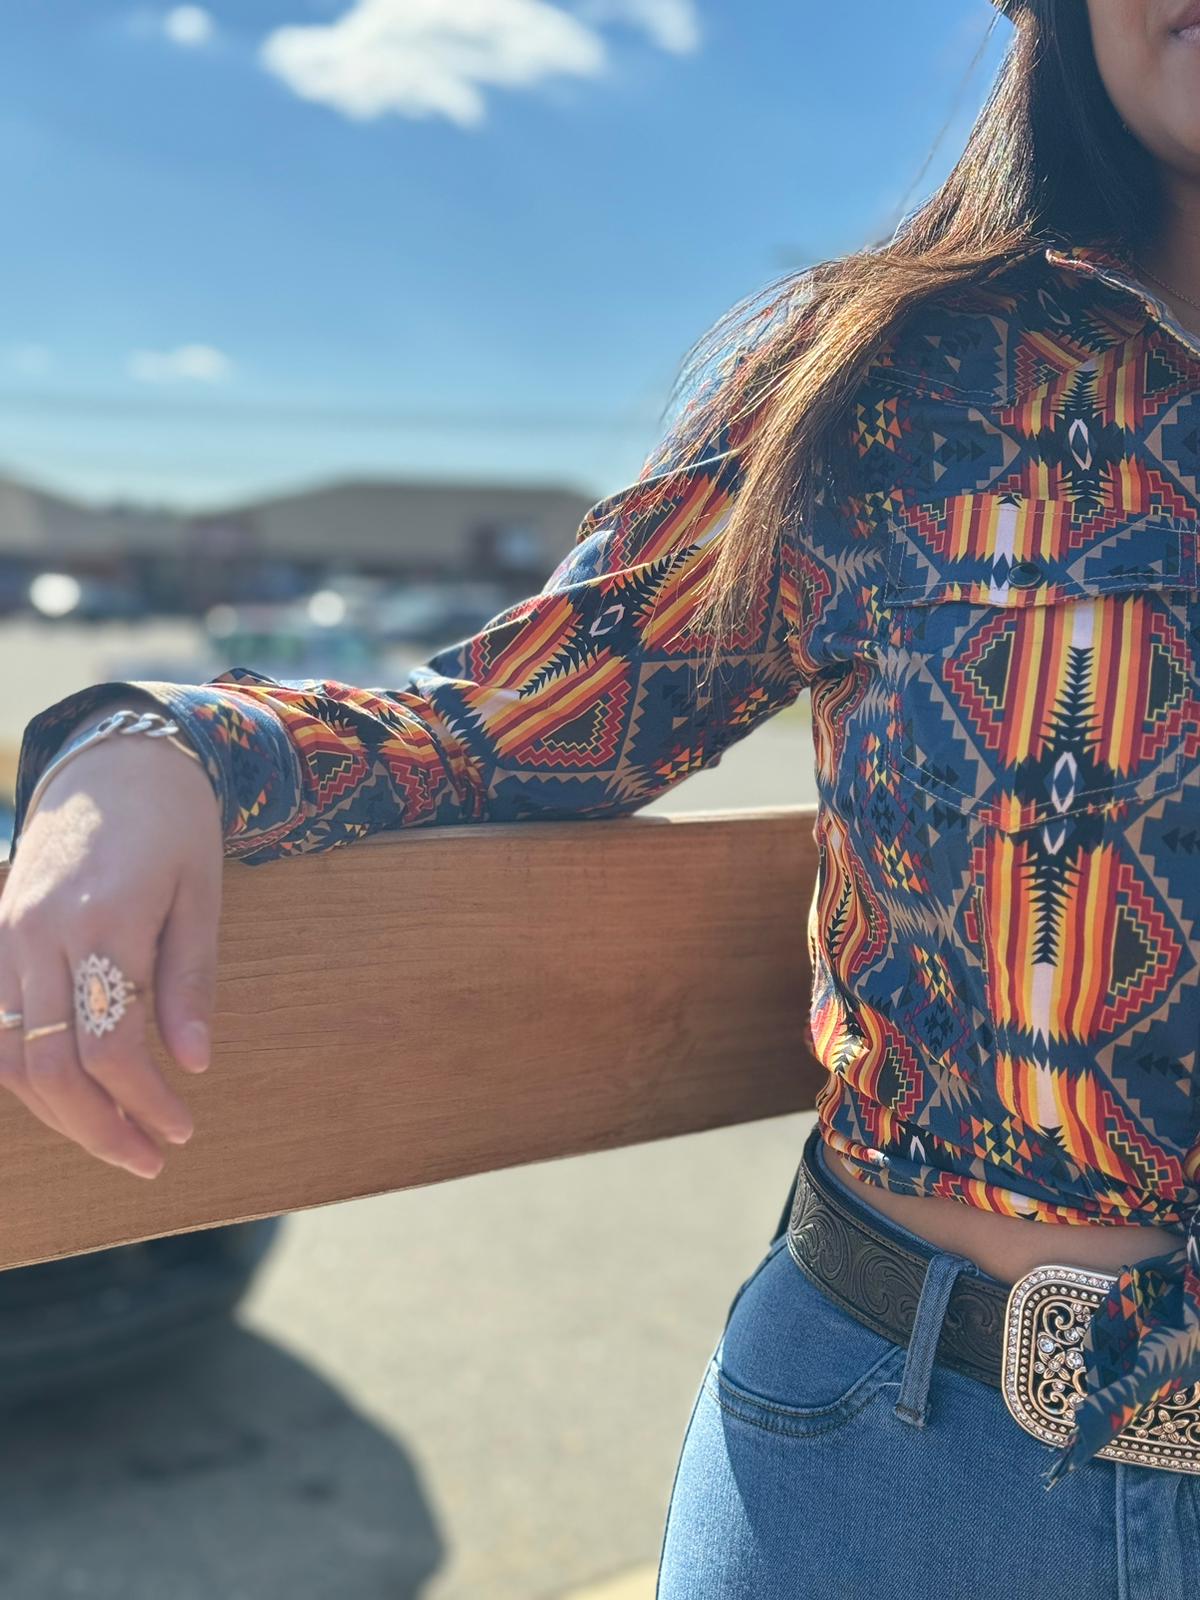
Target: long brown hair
[(1048, 160)]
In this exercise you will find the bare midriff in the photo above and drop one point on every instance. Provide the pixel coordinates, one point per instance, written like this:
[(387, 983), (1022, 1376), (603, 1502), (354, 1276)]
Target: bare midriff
[(1008, 1247)]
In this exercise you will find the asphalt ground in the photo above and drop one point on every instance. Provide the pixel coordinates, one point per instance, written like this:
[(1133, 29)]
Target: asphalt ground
[(471, 1391)]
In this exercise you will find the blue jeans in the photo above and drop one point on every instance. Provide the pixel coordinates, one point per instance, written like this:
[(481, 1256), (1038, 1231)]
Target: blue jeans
[(824, 1462)]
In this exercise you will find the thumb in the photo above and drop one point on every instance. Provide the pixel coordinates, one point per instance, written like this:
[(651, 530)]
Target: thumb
[(186, 970)]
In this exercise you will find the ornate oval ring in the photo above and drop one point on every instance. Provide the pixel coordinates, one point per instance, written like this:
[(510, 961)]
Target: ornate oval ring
[(102, 993)]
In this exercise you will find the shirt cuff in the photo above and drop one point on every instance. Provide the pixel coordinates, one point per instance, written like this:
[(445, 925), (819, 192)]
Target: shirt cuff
[(238, 740)]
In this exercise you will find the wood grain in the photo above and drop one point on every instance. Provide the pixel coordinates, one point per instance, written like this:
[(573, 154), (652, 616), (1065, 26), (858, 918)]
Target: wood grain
[(426, 1004)]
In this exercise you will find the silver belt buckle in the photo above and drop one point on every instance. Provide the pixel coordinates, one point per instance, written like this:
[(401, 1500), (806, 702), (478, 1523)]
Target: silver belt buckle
[(1043, 1381)]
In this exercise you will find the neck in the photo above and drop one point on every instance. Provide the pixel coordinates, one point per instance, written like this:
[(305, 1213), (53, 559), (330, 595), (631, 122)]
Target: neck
[(1174, 253)]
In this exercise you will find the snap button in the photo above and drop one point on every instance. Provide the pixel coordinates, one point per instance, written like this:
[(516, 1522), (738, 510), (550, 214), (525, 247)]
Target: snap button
[(1024, 574)]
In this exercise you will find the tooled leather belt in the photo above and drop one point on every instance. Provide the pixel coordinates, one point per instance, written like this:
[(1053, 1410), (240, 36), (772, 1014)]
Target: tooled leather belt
[(877, 1278), (1024, 1339)]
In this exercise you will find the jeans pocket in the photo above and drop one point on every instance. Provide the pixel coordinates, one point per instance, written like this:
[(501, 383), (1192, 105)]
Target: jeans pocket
[(791, 1360)]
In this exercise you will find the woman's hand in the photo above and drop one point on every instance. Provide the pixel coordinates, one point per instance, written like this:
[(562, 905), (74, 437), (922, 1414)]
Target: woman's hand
[(121, 855)]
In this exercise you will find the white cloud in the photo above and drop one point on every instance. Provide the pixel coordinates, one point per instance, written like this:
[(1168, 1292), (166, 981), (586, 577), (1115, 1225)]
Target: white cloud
[(188, 363), (29, 360), (672, 24), (423, 58), (189, 26)]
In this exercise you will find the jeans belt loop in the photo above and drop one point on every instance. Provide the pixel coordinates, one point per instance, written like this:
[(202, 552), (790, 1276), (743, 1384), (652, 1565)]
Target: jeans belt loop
[(913, 1403)]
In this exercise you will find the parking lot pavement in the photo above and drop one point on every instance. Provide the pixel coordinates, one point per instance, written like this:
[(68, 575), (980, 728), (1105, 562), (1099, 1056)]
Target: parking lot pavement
[(635, 1585), (472, 1391)]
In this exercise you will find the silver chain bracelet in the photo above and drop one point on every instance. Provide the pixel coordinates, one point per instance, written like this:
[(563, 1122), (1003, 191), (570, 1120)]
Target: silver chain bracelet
[(151, 723)]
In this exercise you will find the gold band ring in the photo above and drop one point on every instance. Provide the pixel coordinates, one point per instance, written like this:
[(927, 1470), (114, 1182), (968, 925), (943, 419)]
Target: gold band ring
[(47, 1027)]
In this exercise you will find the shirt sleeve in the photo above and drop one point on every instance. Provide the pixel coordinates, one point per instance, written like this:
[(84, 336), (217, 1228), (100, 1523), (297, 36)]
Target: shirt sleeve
[(581, 701)]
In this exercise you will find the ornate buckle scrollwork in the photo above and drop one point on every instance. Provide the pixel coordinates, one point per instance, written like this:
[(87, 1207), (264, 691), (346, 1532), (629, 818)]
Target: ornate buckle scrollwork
[(1043, 1379)]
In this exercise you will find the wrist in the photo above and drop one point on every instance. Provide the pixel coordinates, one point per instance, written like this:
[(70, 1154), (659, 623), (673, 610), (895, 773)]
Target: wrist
[(136, 700), (84, 746)]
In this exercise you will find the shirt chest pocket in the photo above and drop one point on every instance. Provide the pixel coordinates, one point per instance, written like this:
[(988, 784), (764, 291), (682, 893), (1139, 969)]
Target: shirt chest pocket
[(1036, 669)]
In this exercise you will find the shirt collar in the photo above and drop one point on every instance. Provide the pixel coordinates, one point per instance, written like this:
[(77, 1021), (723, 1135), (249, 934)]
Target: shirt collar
[(1110, 265)]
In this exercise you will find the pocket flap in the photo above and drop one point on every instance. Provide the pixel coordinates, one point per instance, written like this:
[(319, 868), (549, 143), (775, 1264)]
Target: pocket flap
[(999, 551)]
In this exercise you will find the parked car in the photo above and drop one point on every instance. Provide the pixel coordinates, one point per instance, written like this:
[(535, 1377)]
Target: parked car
[(437, 614), (66, 1324), (284, 642), (63, 596)]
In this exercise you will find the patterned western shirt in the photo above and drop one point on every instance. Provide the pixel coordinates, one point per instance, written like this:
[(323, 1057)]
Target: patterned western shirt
[(995, 605)]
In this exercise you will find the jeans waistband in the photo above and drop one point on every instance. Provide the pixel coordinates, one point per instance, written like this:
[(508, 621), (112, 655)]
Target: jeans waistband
[(891, 1278)]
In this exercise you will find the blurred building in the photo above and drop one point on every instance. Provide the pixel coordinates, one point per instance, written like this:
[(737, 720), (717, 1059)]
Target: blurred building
[(505, 534), (112, 546), (403, 531)]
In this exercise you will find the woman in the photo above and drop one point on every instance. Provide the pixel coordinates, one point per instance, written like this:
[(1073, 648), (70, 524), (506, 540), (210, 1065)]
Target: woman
[(952, 486)]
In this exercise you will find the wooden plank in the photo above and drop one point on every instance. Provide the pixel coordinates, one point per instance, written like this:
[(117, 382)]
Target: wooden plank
[(426, 1004)]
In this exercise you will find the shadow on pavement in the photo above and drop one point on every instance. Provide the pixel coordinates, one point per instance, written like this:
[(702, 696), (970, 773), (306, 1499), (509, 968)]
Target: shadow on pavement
[(227, 1472)]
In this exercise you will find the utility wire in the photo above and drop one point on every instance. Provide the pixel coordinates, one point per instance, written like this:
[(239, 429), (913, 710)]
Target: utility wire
[(238, 413), (964, 82)]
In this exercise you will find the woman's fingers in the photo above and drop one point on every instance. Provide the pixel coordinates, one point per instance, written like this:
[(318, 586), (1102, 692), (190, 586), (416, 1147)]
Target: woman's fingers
[(86, 1111), (44, 1074), (13, 1076), (186, 977), (119, 1060)]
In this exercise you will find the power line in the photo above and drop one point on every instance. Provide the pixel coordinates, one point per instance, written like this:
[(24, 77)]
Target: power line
[(959, 95), (239, 413)]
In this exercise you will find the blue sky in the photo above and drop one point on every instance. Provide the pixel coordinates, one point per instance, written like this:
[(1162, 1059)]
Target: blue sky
[(266, 242)]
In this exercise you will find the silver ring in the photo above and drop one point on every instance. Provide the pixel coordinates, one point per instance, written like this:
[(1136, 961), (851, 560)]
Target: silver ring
[(102, 994), (11, 1019)]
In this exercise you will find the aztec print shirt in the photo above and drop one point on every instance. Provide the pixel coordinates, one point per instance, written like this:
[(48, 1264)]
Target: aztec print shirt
[(995, 606)]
